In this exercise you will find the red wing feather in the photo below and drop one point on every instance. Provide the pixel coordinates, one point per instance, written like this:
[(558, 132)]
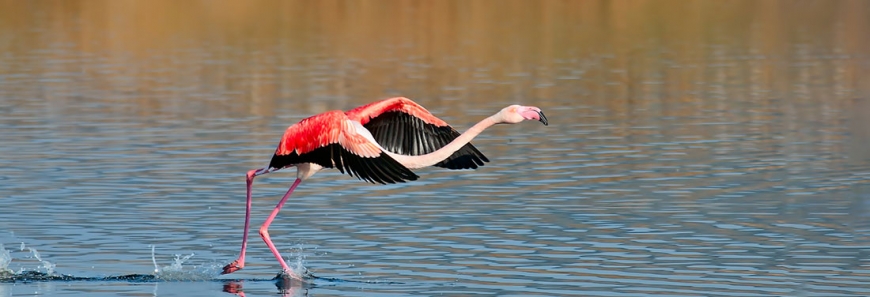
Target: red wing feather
[(312, 133), (331, 141)]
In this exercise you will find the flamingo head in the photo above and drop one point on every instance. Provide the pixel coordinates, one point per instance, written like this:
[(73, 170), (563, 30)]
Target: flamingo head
[(517, 113)]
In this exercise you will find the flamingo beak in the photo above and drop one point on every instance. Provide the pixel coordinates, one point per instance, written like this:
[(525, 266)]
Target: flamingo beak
[(543, 118)]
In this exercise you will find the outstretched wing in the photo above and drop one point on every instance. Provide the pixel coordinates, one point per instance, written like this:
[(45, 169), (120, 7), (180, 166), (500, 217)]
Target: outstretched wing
[(332, 141), (402, 126)]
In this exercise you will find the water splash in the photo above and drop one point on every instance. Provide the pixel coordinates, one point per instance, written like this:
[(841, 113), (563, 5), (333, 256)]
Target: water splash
[(298, 266), (5, 259), (48, 266), (44, 266), (176, 271), (180, 269), (154, 260), (45, 270)]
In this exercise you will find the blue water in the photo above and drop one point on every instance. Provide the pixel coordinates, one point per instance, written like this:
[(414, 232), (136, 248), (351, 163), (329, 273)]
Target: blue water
[(723, 168)]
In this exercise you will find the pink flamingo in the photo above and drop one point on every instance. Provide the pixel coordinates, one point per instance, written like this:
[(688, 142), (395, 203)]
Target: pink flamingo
[(378, 142)]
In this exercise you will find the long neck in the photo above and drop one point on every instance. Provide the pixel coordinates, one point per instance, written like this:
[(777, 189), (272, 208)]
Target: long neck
[(414, 162)]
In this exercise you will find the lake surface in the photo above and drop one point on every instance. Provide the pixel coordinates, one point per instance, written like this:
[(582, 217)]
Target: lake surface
[(699, 148)]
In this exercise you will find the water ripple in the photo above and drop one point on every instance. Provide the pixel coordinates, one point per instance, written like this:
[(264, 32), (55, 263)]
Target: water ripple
[(712, 168)]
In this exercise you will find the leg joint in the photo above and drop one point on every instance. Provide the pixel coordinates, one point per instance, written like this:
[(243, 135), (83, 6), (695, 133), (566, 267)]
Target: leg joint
[(264, 231)]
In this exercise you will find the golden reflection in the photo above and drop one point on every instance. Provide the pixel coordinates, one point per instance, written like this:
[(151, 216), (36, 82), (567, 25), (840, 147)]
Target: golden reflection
[(630, 63), (456, 53)]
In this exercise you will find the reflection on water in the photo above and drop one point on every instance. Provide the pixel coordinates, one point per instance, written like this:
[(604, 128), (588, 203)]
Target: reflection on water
[(695, 148)]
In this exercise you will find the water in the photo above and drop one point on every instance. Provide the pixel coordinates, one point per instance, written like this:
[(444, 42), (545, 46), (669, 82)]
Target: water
[(694, 148)]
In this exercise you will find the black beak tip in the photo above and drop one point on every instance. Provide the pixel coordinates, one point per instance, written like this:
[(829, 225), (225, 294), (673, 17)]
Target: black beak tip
[(543, 118)]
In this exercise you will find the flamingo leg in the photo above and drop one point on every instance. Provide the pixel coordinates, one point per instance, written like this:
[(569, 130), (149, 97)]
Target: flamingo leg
[(264, 231), (240, 262)]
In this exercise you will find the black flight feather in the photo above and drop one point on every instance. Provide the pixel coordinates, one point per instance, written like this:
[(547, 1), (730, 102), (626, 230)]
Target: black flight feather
[(402, 133), (382, 169)]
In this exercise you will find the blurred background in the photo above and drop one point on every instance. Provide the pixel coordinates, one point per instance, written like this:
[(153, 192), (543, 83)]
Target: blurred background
[(282, 56), (694, 147)]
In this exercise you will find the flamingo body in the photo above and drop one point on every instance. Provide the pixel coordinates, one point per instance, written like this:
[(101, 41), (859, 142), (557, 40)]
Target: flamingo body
[(379, 142), (398, 125)]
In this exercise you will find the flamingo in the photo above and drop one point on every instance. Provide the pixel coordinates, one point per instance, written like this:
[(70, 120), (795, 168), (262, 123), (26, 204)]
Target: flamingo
[(380, 143)]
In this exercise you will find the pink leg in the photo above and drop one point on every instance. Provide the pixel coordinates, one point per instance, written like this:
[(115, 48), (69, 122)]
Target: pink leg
[(264, 231), (240, 262)]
